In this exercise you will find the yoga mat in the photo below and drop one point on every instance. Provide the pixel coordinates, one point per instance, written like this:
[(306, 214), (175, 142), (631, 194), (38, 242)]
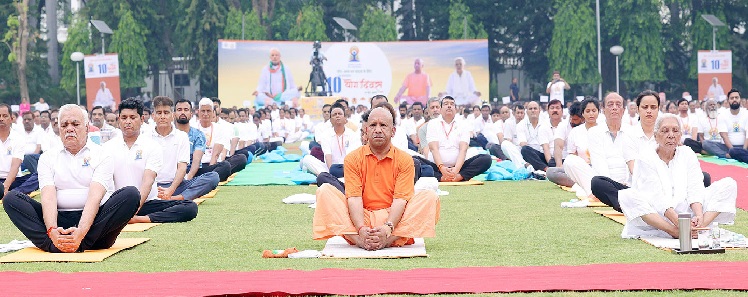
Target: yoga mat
[(595, 277), (597, 204), (139, 227), (719, 161), (337, 248), (673, 243), (210, 194), (613, 215), (34, 193), (198, 200), (261, 174), (740, 175), (37, 255), (462, 183)]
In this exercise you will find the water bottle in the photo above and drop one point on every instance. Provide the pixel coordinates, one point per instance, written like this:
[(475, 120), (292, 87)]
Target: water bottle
[(684, 231), (715, 232)]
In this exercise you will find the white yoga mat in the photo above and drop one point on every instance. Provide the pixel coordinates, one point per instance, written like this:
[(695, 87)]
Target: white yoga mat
[(337, 248), (729, 240)]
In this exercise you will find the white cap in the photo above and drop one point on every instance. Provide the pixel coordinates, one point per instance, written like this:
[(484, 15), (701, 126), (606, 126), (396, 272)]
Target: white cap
[(205, 101)]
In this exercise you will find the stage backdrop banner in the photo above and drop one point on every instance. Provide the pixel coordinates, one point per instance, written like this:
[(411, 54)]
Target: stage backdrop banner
[(715, 74), (355, 70), (102, 80)]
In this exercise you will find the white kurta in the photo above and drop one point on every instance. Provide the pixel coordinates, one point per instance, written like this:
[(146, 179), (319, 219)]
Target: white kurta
[(657, 186)]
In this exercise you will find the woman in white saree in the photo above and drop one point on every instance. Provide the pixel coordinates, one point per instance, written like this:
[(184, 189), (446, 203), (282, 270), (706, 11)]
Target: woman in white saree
[(668, 181)]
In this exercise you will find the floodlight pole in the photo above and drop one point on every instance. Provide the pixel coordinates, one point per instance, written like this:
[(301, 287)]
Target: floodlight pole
[(103, 52), (78, 80)]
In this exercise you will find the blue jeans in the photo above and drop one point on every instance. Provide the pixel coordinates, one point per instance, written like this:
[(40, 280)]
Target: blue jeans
[(739, 153), (715, 148), (195, 187)]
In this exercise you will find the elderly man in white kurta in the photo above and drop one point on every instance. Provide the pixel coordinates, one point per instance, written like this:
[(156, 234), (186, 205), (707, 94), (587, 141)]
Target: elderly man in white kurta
[(667, 181), (80, 209), (276, 83)]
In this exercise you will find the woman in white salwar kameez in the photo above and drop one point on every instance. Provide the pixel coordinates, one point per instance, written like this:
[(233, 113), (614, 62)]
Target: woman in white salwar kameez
[(668, 181)]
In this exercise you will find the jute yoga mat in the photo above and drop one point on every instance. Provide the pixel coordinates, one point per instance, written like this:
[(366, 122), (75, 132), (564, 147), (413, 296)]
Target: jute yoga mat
[(337, 248), (210, 194), (37, 255)]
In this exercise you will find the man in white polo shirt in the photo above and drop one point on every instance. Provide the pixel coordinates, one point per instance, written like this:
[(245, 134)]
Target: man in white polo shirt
[(79, 209), (175, 145), (448, 142), (138, 161), (732, 128), (535, 137), (11, 152), (335, 145)]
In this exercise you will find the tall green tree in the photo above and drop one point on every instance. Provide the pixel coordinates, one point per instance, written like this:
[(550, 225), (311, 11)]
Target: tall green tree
[(462, 24), (17, 39), (573, 48), (640, 34), (310, 25), (378, 25), (129, 42), (201, 26), (252, 30), (77, 42), (424, 19)]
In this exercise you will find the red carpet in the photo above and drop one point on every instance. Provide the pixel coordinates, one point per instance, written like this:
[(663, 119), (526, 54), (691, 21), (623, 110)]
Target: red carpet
[(603, 277), (739, 174)]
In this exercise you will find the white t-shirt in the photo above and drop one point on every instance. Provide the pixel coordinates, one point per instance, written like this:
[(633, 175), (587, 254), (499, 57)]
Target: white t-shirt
[(578, 142), (176, 149), (72, 175), (710, 128), (510, 130), (50, 141), (449, 136), (321, 129), (31, 140), (734, 125), (557, 90), (535, 137), (131, 163), (340, 146), (686, 124), (490, 131), (213, 135), (41, 106), (246, 131), (11, 148)]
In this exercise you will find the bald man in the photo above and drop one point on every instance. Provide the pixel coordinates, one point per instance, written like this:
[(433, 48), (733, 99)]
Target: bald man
[(379, 208), (276, 83)]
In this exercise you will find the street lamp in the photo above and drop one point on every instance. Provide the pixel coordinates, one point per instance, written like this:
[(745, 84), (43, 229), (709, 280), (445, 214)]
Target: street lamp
[(617, 50), (715, 22), (77, 57), (103, 29)]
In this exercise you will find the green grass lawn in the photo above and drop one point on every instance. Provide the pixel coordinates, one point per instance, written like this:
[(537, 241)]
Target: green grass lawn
[(497, 224)]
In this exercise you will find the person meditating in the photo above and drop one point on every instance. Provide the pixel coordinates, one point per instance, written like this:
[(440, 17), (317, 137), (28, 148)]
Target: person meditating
[(448, 142), (276, 84), (79, 209), (668, 181), (379, 208)]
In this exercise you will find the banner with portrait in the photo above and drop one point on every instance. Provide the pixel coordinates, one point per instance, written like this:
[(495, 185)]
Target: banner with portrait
[(102, 80), (354, 70), (715, 74)]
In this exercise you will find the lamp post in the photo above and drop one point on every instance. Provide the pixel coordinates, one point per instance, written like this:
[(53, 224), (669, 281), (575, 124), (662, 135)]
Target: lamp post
[(617, 50), (714, 22), (77, 57)]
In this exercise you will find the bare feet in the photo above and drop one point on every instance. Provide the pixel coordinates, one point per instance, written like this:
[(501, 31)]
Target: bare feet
[(457, 178), (139, 219)]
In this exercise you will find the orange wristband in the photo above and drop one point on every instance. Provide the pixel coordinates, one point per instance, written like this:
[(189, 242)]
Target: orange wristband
[(49, 230)]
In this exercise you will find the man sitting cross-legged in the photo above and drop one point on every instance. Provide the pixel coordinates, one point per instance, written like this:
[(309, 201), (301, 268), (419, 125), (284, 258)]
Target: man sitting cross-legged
[(335, 145), (448, 142), (138, 160), (79, 209), (379, 208), (175, 144)]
